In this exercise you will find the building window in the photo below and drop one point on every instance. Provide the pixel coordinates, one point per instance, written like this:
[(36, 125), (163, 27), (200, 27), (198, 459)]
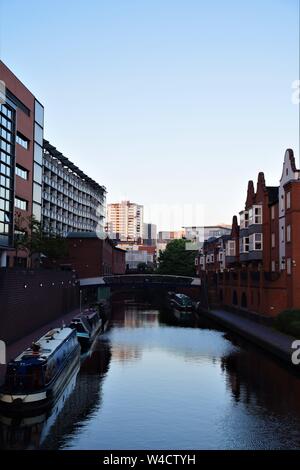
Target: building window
[(255, 242), (230, 248), (21, 204), (37, 211), (288, 200), (273, 240), (273, 266), (38, 134), (255, 215), (21, 172), (273, 212), (289, 266), (288, 233), (38, 154), (244, 219), (21, 140), (39, 113), (244, 245)]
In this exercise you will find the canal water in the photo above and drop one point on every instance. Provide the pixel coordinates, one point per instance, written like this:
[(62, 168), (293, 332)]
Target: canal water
[(151, 382)]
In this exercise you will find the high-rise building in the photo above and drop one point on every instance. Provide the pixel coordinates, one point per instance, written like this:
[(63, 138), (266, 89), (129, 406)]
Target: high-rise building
[(21, 155), (150, 234), (125, 221), (72, 201)]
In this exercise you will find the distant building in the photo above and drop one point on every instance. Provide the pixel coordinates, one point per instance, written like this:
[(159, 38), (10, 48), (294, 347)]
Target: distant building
[(125, 221), (203, 233), (91, 256), (136, 255), (149, 234), (166, 237)]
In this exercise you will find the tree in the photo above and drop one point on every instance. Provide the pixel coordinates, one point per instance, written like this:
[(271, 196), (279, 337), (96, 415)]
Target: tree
[(31, 238), (176, 259)]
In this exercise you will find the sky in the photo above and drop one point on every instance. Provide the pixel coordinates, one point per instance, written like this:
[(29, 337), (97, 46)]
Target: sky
[(172, 104)]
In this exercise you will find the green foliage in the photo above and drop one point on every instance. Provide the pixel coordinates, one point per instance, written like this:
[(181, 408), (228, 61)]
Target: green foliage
[(288, 322), (34, 241), (176, 259)]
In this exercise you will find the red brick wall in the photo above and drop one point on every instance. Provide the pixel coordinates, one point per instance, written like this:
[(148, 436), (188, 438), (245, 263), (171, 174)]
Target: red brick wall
[(93, 257), (29, 299)]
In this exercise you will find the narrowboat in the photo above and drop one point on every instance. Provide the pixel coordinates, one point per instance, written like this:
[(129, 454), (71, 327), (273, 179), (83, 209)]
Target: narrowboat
[(87, 326), (35, 378), (179, 302)]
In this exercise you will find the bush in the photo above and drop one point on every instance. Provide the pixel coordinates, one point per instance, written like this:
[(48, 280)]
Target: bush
[(293, 329), (288, 322)]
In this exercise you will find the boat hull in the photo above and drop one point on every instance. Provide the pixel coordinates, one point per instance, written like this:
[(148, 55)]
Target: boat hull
[(22, 403)]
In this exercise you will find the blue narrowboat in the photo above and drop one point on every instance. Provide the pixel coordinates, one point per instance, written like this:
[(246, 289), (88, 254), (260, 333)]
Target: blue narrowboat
[(37, 376)]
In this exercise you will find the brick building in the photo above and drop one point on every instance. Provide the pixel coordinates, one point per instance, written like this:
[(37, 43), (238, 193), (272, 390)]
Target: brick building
[(91, 256), (21, 155), (257, 267)]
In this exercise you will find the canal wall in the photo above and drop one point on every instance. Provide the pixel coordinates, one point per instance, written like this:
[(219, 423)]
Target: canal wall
[(32, 298), (276, 343)]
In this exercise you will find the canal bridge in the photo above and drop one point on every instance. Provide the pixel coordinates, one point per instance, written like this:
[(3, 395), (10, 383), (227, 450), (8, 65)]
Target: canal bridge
[(104, 286)]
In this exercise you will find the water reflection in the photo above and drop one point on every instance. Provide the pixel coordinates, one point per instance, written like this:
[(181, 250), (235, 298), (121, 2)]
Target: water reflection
[(81, 397), (150, 382)]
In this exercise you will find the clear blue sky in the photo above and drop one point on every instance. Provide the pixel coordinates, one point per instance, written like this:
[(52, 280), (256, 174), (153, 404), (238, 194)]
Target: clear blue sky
[(163, 101)]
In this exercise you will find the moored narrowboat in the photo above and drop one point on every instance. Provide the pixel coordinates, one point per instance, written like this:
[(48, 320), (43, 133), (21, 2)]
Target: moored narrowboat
[(37, 376), (87, 326)]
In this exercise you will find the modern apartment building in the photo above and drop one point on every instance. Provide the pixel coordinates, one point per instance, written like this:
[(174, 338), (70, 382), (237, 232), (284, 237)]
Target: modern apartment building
[(125, 221), (72, 201), (21, 143), (257, 267)]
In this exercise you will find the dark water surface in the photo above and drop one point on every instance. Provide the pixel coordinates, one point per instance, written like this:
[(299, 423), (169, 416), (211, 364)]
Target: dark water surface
[(149, 384)]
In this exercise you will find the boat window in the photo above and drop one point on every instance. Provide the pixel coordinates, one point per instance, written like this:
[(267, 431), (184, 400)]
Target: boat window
[(24, 378)]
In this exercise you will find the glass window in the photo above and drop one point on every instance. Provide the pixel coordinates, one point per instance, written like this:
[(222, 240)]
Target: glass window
[(21, 172), (288, 233), (21, 140), (21, 204), (38, 154), (39, 114), (37, 176), (37, 192), (288, 200), (38, 134), (37, 211)]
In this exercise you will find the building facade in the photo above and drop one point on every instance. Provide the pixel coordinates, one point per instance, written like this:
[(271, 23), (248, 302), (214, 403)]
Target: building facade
[(125, 221), (149, 234), (90, 256), (257, 267), (72, 201), (21, 143)]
